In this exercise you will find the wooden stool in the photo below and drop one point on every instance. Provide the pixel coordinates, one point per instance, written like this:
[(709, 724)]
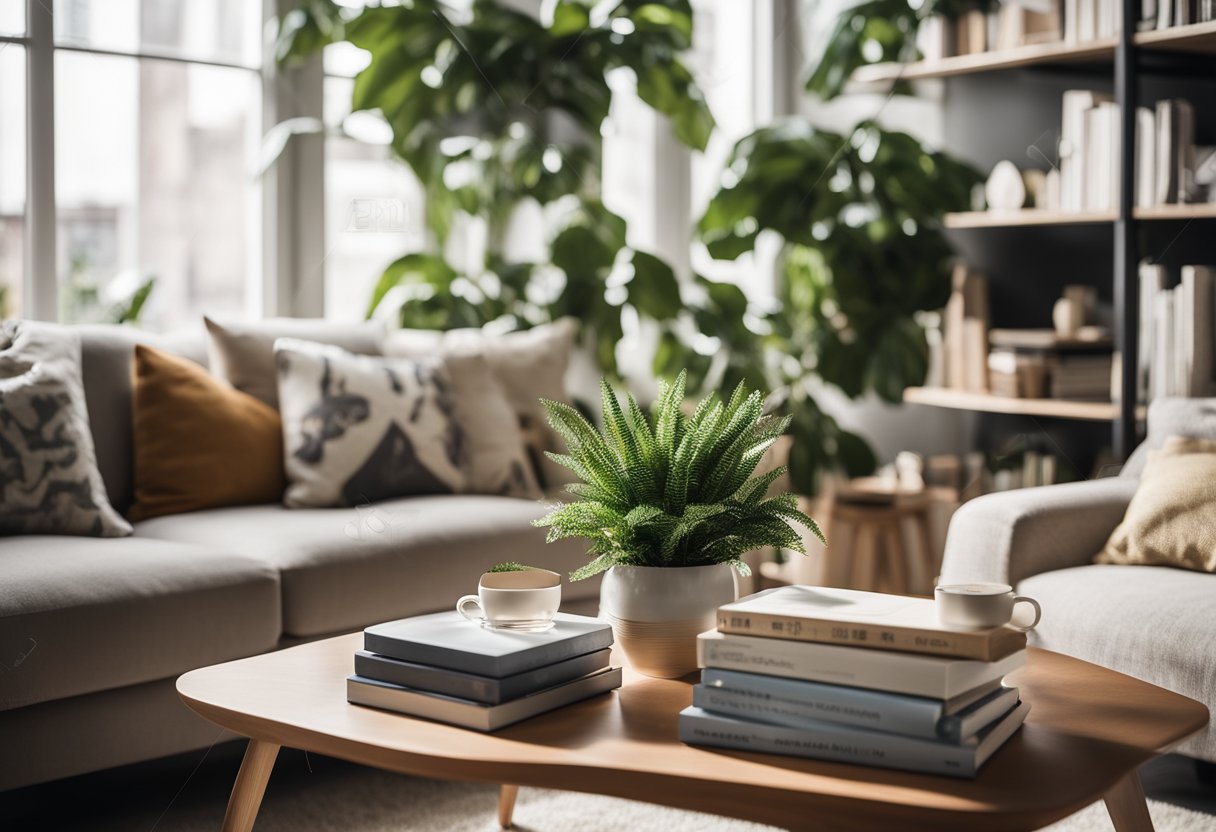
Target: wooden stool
[(870, 536)]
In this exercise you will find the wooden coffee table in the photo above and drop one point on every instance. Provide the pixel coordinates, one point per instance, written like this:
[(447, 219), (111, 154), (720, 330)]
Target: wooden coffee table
[(1088, 731)]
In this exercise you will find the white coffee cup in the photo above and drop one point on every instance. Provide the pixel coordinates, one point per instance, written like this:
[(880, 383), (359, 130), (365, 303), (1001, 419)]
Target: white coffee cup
[(525, 600), (979, 606)]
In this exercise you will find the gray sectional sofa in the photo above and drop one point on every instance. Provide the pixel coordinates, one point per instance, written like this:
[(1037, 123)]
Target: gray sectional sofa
[(1157, 623), (94, 632)]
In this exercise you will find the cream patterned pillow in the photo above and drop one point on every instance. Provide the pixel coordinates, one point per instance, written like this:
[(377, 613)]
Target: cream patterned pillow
[(49, 482), (357, 429), (530, 365)]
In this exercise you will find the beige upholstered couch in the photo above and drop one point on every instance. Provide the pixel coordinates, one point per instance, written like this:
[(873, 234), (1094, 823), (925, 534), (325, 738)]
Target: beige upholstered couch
[(93, 632), (1153, 622)]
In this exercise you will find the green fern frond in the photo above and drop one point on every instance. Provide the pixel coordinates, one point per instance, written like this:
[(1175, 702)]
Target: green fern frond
[(668, 489)]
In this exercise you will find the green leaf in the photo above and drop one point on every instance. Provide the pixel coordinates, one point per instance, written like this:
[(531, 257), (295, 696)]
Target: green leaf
[(654, 290), (416, 269)]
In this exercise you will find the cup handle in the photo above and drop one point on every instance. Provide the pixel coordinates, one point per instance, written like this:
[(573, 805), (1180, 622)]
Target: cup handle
[(470, 600), (1038, 612)]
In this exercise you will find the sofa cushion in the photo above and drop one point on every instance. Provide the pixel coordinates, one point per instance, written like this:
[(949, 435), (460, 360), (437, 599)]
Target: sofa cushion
[(106, 353), (49, 482), (79, 615), (342, 569), (199, 442), (1172, 417), (361, 428), (1152, 622), (242, 353)]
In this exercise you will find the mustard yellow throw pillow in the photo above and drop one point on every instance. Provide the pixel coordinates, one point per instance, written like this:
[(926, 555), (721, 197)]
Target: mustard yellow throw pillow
[(1171, 520), (199, 443)]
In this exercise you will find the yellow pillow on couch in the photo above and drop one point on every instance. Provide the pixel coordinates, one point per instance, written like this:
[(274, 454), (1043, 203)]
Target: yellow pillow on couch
[(199, 443), (1171, 520)]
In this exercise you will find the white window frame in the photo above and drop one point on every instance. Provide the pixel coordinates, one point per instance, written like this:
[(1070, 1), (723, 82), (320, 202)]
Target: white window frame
[(289, 281)]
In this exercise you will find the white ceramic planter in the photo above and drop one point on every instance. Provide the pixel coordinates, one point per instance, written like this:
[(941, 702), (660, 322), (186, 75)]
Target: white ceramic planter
[(656, 612)]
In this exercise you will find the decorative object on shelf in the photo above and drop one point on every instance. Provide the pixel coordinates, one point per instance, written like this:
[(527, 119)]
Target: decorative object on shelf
[(1073, 309), (966, 331), (511, 596), (1005, 190), (483, 149), (670, 505)]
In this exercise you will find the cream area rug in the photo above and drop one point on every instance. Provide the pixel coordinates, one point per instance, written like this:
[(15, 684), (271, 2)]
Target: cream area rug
[(366, 800)]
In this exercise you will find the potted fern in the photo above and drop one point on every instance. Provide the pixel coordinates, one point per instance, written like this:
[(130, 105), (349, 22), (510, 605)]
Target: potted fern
[(671, 503)]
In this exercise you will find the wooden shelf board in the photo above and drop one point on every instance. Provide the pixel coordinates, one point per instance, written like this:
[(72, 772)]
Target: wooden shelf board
[(988, 403), (1026, 216), (1177, 212), (1022, 56), (1196, 37)]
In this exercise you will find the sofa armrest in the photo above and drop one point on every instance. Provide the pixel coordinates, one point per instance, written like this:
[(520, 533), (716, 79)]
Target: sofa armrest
[(1012, 535)]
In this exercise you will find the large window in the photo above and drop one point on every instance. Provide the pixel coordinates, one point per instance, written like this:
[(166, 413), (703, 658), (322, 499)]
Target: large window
[(374, 205), (157, 124), (142, 155), (12, 167)]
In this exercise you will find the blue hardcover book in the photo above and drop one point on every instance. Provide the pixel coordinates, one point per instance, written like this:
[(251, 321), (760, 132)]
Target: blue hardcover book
[(844, 744), (449, 640), (797, 703), (472, 687)]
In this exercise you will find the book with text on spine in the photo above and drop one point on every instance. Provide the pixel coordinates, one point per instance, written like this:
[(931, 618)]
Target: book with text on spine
[(478, 715), (485, 689), (448, 640), (840, 743), (936, 677), (797, 703), (862, 619)]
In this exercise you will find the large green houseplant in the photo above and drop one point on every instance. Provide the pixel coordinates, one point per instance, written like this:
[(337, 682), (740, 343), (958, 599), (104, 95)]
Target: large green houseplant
[(492, 108), (671, 503)]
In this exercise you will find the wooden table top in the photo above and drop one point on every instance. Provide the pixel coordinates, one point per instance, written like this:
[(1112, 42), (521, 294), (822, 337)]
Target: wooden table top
[(1088, 727)]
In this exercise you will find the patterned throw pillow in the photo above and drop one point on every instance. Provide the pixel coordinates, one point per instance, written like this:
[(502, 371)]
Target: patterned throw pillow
[(530, 365), (357, 429), (49, 482)]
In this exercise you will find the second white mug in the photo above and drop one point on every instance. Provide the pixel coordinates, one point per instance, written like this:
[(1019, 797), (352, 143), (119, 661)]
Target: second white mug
[(978, 606)]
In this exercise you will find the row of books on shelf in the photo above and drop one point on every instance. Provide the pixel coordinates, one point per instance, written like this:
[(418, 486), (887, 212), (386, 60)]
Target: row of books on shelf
[(855, 677), (1177, 332), (1166, 14), (973, 474), (1073, 22), (1171, 168)]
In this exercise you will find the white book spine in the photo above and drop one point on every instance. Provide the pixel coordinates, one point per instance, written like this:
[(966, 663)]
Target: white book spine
[(932, 676), (848, 745), (1146, 157)]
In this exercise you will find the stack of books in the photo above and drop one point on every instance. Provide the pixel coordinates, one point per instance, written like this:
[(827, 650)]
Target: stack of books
[(1177, 349), (856, 677), (445, 668)]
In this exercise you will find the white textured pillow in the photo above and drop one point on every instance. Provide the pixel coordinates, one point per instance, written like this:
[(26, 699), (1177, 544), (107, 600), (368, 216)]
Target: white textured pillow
[(497, 457), (530, 365), (357, 429), (49, 481)]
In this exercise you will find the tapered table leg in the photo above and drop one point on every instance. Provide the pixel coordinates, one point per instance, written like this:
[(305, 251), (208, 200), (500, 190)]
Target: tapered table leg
[(1127, 806), (506, 804), (250, 785)]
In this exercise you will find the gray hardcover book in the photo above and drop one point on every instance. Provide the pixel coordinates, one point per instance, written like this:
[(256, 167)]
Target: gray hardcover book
[(449, 640), (797, 703), (478, 715), (843, 744), (469, 686)]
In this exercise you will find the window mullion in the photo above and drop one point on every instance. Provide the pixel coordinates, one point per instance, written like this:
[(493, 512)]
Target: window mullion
[(41, 290)]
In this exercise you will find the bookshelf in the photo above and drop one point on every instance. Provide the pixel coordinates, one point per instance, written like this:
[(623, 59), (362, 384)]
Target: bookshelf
[(1030, 216), (1198, 38), (1038, 54), (1180, 51), (990, 403)]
